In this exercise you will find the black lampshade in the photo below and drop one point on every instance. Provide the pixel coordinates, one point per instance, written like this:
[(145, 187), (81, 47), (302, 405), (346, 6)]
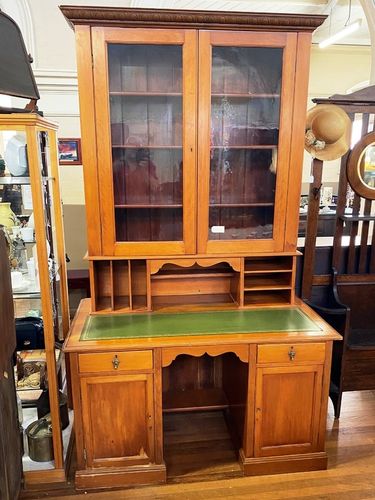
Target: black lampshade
[(16, 76)]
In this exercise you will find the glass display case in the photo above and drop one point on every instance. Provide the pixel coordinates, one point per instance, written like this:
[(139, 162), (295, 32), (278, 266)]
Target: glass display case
[(30, 215)]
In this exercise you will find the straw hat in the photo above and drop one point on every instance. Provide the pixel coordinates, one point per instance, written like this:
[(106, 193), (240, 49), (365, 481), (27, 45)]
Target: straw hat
[(328, 130)]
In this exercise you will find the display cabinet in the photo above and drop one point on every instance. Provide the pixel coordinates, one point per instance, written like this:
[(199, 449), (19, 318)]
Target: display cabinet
[(149, 92), (196, 154), (195, 132), (31, 216)]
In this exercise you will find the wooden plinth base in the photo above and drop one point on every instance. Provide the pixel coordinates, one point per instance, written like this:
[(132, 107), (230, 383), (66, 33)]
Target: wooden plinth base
[(279, 465), (43, 478), (119, 477)]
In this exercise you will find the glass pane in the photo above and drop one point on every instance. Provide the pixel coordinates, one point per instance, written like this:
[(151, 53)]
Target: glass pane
[(245, 111), (50, 225), (367, 166), (17, 220), (146, 130), (149, 224)]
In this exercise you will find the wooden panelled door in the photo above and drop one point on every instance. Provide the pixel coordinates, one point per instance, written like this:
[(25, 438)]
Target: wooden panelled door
[(245, 81), (146, 139), (286, 416), (118, 419)]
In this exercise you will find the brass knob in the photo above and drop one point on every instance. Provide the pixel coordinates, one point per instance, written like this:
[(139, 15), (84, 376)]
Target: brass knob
[(115, 362), (292, 354)]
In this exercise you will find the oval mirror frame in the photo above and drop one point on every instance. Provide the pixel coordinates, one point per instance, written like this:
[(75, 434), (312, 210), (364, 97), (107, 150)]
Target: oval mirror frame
[(353, 167)]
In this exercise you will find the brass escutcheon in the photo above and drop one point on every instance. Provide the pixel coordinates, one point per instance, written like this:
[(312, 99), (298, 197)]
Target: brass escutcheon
[(115, 362), (291, 354)]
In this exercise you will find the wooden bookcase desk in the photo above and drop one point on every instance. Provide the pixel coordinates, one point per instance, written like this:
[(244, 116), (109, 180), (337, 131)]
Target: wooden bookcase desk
[(273, 387), (192, 140)]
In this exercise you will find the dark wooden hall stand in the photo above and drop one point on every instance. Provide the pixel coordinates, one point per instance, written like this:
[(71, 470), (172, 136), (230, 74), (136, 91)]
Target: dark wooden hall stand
[(344, 296), (192, 139)]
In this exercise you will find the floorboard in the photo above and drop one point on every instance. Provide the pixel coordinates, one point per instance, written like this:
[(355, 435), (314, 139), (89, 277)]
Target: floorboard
[(192, 475)]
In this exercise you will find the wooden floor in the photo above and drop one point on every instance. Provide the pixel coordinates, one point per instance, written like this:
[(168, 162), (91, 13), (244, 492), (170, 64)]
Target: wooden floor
[(350, 476)]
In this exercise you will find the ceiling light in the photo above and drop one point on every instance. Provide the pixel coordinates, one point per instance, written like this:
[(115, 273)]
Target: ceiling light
[(340, 34)]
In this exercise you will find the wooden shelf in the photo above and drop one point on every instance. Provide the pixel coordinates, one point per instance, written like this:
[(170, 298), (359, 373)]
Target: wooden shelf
[(177, 205), (170, 303), (104, 304), (146, 94), (268, 282), (145, 146), (248, 95), (139, 303), (240, 205), (190, 274), (252, 146), (266, 287), (270, 265), (266, 298), (262, 270), (194, 400), (121, 303)]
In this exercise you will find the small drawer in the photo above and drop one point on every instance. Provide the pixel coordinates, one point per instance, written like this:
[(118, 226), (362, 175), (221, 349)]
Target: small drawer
[(115, 361), (291, 353)]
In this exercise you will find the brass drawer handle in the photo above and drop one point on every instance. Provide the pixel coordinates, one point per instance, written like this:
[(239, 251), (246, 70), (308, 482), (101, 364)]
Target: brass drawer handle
[(292, 354), (115, 362)]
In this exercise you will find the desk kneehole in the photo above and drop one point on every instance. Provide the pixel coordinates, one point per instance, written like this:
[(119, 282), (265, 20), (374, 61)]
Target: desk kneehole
[(116, 361), (291, 353)]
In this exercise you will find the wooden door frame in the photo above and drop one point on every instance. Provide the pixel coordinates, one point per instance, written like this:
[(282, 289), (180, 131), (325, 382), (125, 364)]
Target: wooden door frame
[(188, 39), (287, 41)]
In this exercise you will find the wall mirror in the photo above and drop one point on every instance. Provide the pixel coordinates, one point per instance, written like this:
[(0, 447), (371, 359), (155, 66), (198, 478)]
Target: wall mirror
[(361, 167)]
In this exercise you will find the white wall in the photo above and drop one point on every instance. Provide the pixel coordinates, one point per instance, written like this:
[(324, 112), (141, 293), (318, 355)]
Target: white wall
[(335, 70)]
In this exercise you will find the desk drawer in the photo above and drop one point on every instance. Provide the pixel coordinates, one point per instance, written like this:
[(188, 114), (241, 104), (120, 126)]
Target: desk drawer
[(115, 361), (290, 353)]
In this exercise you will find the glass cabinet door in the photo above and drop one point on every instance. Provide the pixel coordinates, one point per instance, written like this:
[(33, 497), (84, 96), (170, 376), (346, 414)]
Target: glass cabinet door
[(146, 141), (243, 152)]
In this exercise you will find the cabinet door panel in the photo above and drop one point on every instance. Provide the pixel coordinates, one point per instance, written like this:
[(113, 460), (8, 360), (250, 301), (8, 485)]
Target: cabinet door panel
[(118, 420), (245, 88), (287, 411), (145, 108)]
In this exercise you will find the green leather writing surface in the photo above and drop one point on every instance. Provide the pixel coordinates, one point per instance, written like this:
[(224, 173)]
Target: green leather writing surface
[(131, 326)]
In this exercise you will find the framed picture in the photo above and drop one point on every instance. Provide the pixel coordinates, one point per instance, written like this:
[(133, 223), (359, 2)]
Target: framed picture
[(70, 152)]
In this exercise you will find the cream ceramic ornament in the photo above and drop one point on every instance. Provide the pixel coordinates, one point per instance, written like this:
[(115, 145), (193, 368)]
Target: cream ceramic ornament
[(15, 156)]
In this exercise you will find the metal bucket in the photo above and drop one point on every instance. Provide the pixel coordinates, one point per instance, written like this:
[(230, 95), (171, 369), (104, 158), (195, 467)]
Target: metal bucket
[(39, 439)]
